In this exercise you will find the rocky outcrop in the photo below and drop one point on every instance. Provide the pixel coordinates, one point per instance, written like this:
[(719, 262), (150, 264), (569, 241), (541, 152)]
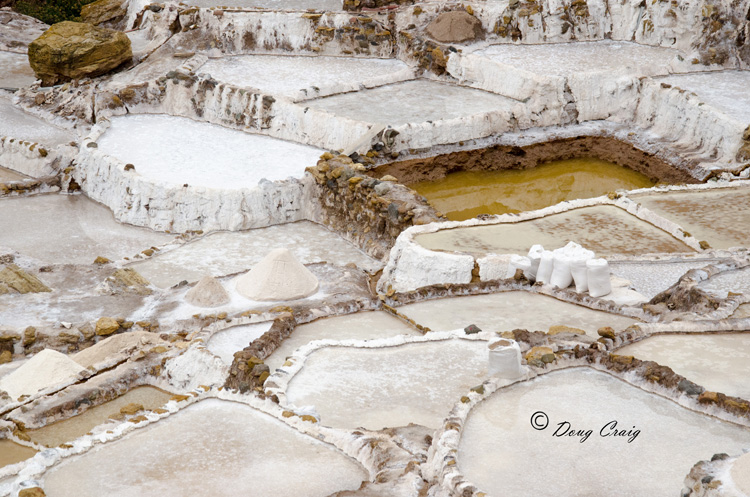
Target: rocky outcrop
[(73, 50), (105, 13), (13, 279), (455, 27), (126, 281)]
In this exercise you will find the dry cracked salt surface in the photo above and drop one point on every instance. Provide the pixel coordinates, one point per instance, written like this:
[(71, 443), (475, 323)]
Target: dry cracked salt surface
[(607, 230), (178, 151), (498, 440), (507, 311), (418, 383), (225, 253), (212, 447), (718, 362), (653, 277), (737, 281)]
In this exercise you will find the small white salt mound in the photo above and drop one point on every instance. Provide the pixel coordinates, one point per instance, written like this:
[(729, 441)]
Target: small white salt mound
[(505, 359), (598, 277), (546, 264), (741, 473), (279, 276), (207, 293), (535, 256), (46, 369), (116, 344), (522, 263)]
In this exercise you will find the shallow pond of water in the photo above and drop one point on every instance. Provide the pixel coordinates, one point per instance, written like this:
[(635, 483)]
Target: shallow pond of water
[(466, 194), (499, 442), (12, 453)]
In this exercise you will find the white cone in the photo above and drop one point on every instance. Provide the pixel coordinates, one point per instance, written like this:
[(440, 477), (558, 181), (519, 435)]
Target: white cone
[(279, 276), (207, 293)]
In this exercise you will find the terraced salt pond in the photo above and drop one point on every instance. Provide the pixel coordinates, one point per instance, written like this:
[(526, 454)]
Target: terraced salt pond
[(507, 311), (225, 253), (592, 56), (418, 101), (225, 343), (17, 72), (671, 439), (179, 151), (69, 429), (723, 90), (389, 387), (79, 231), (320, 5), (466, 194), (303, 76), (720, 216), (737, 281), (653, 277), (209, 448), (607, 230), (718, 362), (359, 326), (12, 453), (18, 124), (10, 175)]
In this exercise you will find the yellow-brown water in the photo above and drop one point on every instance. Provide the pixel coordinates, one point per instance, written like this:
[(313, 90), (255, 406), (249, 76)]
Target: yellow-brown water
[(11, 452), (466, 194), (69, 429)]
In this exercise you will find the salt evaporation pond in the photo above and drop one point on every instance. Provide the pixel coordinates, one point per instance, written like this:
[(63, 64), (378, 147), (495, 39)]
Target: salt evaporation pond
[(69, 429), (17, 72), (225, 343), (466, 194), (388, 387), (742, 311), (724, 90), (220, 254), (609, 56), (288, 76), (79, 231), (653, 277), (10, 175), (178, 151), (720, 216), (607, 230), (360, 326), (718, 362), (319, 5), (213, 447), (418, 101), (498, 441), (506, 311), (18, 124), (12, 453), (727, 281)]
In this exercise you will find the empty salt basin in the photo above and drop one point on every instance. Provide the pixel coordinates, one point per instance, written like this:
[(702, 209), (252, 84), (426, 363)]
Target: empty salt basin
[(12, 453), (353, 387), (723, 90), (360, 326), (593, 56), (466, 194), (300, 76), (718, 362), (178, 151), (320, 5), (219, 254), (18, 124), (418, 101), (722, 284), (607, 230), (660, 444), (17, 72), (69, 429), (720, 216), (507, 311), (225, 343), (79, 231), (213, 447)]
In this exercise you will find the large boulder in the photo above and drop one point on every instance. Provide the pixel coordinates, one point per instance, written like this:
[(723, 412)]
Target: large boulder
[(106, 13), (455, 27), (74, 50)]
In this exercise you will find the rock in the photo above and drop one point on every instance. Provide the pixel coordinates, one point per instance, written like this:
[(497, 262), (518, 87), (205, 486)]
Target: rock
[(259, 369), (14, 279), (6, 356), (455, 27), (606, 332), (472, 329), (689, 387), (127, 281), (557, 329), (75, 50), (29, 336), (536, 353), (106, 326), (101, 260), (32, 492), (131, 408), (207, 293), (389, 178), (108, 12), (708, 397)]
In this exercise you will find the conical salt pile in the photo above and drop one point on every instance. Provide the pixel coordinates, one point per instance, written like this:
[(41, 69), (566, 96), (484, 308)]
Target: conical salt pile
[(207, 293), (46, 369), (279, 276)]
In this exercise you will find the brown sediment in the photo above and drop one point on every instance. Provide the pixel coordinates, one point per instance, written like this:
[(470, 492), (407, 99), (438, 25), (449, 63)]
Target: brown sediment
[(500, 157)]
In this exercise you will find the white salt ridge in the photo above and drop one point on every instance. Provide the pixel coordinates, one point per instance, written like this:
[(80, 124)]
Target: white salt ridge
[(225, 343), (498, 441), (723, 90), (177, 151), (46, 369), (288, 76)]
